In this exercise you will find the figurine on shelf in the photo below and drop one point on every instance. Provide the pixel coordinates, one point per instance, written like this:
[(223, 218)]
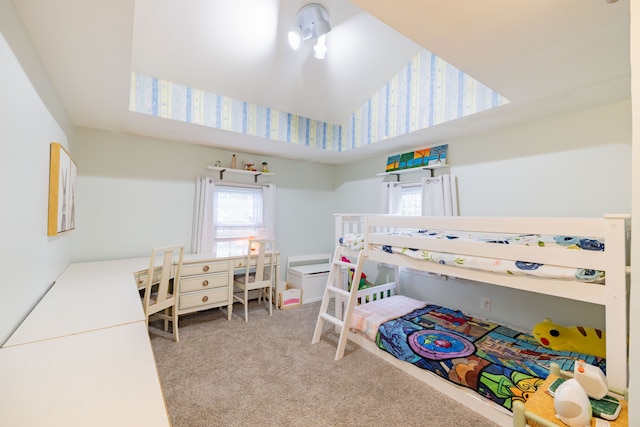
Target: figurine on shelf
[(264, 167), (233, 161), (217, 164), (249, 167)]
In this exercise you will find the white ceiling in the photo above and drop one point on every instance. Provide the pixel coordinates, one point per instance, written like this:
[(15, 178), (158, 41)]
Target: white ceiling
[(546, 56)]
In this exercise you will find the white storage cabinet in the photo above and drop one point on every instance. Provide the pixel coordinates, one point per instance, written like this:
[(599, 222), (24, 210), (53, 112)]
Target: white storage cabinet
[(309, 273)]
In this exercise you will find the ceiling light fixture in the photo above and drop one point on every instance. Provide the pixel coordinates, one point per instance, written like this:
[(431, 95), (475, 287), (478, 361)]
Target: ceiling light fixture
[(313, 22)]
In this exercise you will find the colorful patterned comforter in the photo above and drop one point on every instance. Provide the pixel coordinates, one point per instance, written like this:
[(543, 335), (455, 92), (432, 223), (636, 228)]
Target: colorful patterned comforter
[(356, 242), (498, 362)]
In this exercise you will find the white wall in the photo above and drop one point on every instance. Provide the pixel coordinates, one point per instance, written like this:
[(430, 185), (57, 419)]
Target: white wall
[(135, 193), (634, 315), (30, 261), (575, 165)]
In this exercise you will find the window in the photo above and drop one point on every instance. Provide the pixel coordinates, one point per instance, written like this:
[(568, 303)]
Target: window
[(237, 216), (432, 196), (402, 198), (410, 203), (226, 215)]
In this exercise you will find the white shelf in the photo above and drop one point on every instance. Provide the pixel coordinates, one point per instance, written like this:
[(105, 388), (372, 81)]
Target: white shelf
[(418, 169), (222, 170)]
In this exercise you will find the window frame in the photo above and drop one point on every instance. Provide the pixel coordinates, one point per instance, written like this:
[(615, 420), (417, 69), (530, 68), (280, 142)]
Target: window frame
[(230, 236), (410, 188)]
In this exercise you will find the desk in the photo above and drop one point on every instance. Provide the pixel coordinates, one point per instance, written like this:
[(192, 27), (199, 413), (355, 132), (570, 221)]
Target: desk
[(82, 357), (206, 281), (92, 269), (103, 378), (81, 305), (541, 404)]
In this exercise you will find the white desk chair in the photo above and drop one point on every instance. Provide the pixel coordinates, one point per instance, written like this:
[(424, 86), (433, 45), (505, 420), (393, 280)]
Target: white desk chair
[(260, 277), (157, 300)]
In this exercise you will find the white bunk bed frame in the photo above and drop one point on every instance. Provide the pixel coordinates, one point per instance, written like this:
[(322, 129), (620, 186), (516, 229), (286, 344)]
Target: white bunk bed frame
[(614, 229)]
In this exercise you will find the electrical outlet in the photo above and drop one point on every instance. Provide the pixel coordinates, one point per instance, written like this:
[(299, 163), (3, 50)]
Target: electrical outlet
[(485, 304)]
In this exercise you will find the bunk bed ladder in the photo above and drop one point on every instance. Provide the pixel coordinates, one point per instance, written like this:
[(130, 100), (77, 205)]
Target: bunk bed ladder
[(336, 289)]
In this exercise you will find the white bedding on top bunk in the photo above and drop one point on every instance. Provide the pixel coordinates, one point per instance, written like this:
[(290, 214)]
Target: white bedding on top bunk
[(355, 242), (367, 318)]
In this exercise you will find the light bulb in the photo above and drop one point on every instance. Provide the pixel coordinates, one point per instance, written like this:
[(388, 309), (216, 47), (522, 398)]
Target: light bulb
[(320, 49), (294, 40)]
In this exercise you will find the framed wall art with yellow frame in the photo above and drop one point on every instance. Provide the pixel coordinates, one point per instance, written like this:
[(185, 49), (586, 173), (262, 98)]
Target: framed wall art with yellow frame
[(62, 191)]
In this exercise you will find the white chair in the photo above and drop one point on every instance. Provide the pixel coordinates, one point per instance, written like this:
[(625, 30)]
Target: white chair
[(158, 300), (261, 253)]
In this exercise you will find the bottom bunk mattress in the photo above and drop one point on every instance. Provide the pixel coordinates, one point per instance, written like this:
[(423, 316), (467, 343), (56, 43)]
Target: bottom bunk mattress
[(498, 362)]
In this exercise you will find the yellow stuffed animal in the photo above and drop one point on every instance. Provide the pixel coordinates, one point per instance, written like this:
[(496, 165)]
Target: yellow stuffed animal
[(578, 339)]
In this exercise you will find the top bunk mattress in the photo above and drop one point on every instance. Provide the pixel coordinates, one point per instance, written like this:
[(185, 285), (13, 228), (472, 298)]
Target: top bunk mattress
[(356, 242)]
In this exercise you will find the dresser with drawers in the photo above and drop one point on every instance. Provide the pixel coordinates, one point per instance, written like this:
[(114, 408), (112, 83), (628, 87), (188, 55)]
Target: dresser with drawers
[(206, 284)]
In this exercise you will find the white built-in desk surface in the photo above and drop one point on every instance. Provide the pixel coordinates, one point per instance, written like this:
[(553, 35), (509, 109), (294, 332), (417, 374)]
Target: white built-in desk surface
[(90, 269), (88, 296), (81, 305), (82, 357), (104, 378)]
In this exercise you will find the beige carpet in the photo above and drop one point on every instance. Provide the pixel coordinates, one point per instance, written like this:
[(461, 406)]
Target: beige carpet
[(267, 373)]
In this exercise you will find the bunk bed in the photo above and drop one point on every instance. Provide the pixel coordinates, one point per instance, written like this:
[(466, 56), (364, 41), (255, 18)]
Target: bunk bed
[(528, 254)]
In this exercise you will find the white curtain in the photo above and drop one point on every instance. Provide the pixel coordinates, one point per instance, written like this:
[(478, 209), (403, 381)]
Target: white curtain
[(203, 231), (390, 197), (268, 205), (439, 196)]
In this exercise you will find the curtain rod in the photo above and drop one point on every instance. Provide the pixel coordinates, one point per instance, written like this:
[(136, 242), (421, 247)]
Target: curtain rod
[(236, 184)]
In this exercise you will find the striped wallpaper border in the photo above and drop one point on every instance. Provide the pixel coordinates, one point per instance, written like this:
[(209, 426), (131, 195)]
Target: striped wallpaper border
[(428, 91)]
